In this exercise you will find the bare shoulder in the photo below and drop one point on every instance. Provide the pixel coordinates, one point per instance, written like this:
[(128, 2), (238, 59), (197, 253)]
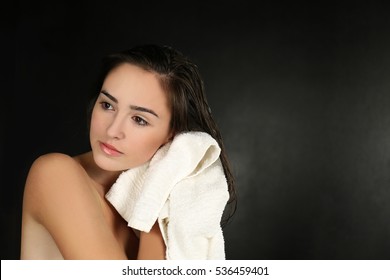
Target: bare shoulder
[(61, 202), (52, 177), (55, 166), (59, 163)]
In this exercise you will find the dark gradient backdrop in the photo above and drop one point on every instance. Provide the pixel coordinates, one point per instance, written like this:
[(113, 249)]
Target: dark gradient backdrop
[(301, 93)]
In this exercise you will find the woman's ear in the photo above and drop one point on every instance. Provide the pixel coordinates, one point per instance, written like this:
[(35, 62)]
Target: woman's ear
[(169, 138), (171, 135)]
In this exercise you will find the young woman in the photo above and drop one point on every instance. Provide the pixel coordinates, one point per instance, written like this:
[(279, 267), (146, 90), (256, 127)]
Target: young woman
[(146, 95)]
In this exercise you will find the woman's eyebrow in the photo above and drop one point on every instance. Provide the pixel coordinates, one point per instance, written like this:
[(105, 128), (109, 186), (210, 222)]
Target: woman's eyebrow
[(133, 107), (109, 96), (143, 109)]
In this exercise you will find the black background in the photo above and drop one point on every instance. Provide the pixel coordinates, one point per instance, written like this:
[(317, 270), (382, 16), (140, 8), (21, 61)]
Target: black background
[(301, 92)]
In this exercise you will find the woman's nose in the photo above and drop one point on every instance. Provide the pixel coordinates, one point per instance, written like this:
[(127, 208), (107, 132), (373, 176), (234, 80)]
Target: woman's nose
[(115, 129)]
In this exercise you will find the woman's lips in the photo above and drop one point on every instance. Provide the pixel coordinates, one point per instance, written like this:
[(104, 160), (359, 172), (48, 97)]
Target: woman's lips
[(109, 150)]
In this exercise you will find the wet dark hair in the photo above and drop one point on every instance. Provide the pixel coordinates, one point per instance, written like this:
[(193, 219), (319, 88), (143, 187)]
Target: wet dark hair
[(181, 79)]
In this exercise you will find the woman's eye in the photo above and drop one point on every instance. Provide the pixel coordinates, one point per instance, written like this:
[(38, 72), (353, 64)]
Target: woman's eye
[(140, 121), (106, 105)]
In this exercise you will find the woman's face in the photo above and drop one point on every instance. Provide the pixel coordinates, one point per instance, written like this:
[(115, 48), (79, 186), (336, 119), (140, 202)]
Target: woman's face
[(130, 119)]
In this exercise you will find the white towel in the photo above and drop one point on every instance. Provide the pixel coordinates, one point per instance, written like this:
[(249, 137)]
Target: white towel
[(185, 189)]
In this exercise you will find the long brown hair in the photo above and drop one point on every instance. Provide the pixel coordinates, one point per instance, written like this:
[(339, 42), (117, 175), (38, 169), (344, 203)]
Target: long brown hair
[(182, 81)]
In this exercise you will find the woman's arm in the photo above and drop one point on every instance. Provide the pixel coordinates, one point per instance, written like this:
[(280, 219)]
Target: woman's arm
[(151, 244), (59, 196)]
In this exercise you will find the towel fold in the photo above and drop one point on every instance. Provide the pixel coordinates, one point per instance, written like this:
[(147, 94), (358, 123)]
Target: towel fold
[(184, 188)]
